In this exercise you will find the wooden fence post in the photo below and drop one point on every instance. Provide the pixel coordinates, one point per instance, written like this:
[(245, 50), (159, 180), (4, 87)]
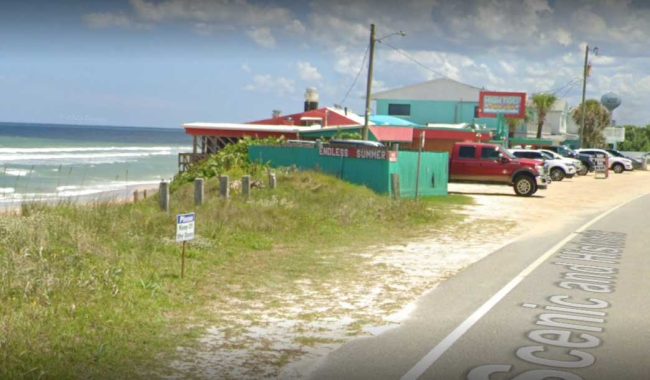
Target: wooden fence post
[(224, 186), (164, 196), (394, 184), (273, 181), (246, 186), (136, 196), (199, 191)]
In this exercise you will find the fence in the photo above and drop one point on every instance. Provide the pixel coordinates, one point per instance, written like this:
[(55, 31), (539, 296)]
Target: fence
[(374, 170)]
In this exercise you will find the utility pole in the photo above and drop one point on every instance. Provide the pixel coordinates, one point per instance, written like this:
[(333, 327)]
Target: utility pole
[(371, 56), (584, 91)]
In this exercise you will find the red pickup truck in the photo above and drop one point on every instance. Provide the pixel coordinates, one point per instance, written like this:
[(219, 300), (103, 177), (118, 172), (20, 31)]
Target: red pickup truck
[(489, 163)]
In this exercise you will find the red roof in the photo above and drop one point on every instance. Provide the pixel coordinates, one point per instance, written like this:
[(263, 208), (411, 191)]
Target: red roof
[(392, 134), (333, 118)]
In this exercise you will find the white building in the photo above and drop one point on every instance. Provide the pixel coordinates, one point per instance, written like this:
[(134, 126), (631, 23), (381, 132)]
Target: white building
[(558, 125)]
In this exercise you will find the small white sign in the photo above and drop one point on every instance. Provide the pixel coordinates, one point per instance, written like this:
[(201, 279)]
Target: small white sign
[(185, 227), (600, 166)]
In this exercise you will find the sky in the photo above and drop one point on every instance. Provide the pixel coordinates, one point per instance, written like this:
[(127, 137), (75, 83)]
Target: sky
[(167, 62)]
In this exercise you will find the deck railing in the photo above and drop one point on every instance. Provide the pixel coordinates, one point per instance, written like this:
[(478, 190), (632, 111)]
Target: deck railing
[(185, 160)]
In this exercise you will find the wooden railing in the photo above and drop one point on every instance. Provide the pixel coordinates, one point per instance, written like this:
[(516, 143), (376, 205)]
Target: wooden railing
[(185, 160)]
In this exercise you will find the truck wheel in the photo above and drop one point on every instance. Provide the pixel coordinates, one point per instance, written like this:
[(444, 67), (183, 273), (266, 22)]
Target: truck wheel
[(583, 170), (525, 185), (618, 168), (557, 174)]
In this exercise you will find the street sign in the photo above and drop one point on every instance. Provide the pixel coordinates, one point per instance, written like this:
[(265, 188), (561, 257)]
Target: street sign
[(185, 227), (600, 166)]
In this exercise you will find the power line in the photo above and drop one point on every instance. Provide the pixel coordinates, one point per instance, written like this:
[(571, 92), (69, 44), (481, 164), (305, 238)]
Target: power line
[(412, 59), (354, 82), (564, 89)]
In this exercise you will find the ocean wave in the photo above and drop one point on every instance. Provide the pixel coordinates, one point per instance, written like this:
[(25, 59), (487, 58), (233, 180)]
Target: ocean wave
[(7, 190), (88, 156), (93, 149), (16, 172)]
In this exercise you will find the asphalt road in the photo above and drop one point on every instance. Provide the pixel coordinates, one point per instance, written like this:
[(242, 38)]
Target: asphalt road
[(571, 305)]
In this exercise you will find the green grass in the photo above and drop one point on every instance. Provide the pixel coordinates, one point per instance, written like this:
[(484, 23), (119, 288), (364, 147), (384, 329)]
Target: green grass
[(95, 292)]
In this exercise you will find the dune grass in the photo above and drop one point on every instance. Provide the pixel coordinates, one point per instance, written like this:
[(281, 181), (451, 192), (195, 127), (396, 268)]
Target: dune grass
[(95, 292)]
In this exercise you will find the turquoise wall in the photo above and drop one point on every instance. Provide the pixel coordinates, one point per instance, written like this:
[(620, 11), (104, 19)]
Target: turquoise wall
[(446, 112), (374, 174), (434, 173)]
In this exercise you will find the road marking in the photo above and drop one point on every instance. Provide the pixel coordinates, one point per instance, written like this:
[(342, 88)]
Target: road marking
[(432, 356)]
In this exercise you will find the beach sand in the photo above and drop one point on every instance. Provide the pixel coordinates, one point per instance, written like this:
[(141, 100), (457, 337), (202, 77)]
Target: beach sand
[(124, 195)]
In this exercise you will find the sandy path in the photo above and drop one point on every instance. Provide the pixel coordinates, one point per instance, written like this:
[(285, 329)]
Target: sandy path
[(280, 342)]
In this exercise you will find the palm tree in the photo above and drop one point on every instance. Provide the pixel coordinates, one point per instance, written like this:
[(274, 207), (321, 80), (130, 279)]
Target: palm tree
[(596, 119), (543, 103)]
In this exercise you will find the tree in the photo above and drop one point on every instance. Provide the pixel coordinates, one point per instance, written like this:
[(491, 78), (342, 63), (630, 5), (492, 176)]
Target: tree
[(596, 119), (543, 103), (513, 124), (637, 139)]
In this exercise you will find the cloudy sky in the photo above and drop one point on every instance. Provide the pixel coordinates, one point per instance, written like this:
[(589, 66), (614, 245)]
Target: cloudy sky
[(165, 62)]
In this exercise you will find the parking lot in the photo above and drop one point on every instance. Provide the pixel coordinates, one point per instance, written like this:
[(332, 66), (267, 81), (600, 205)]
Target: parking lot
[(560, 204)]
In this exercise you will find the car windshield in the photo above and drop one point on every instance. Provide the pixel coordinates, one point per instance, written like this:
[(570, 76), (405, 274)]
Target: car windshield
[(506, 153), (565, 151), (547, 155), (615, 153)]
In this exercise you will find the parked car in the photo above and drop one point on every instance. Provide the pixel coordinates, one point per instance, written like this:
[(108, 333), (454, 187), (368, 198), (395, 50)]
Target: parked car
[(636, 163), (558, 169), (581, 169), (491, 164), (616, 164), (587, 160)]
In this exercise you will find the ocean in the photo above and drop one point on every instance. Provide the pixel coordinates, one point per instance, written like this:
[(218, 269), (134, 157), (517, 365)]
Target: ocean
[(41, 161)]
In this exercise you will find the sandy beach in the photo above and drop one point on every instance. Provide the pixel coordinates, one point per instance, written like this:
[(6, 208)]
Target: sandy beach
[(275, 343), (124, 194)]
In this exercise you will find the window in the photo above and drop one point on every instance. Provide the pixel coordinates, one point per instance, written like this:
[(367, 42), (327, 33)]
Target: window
[(399, 109), (534, 155), (467, 152), (488, 153)]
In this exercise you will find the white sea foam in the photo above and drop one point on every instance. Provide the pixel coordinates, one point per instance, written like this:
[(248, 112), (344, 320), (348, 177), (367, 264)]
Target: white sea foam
[(7, 190), (88, 156), (16, 172), (92, 149)]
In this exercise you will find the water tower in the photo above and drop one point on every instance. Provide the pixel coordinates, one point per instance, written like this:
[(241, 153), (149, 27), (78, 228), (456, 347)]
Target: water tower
[(611, 101)]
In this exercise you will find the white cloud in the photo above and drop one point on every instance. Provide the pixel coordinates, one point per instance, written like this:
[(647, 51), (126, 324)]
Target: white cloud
[(268, 84), (262, 36), (309, 73), (508, 68), (296, 27), (563, 37), (103, 20), (238, 12), (246, 67)]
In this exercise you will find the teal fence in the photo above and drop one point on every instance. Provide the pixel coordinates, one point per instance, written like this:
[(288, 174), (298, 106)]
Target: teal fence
[(372, 173)]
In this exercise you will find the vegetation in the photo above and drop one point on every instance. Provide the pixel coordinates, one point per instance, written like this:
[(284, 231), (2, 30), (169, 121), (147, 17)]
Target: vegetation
[(233, 159), (94, 291), (636, 139), (543, 103), (596, 118)]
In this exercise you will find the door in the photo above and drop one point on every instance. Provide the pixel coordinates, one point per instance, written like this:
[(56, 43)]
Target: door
[(492, 169)]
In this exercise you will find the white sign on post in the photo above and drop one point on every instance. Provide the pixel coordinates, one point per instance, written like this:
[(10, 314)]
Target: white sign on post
[(185, 227), (600, 166)]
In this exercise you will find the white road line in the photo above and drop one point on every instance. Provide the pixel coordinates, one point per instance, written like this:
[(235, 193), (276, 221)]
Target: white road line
[(432, 356)]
